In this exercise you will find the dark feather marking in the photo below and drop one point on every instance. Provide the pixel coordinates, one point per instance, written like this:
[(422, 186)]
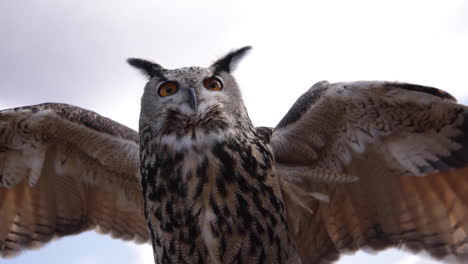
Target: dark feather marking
[(421, 88), (67, 226), (226, 162), (226, 211), (192, 249), (278, 249), (194, 231), (242, 210), (181, 258), (271, 234), (203, 178), (273, 220), (214, 230), (222, 248), (169, 208), (264, 133), (258, 203), (239, 254), (221, 185), (255, 242), (248, 162), (200, 258), (221, 222), (176, 185), (303, 104), (172, 249), (268, 191), (182, 238), (267, 156), (166, 227), (262, 257), (242, 183), (158, 194), (166, 259), (214, 206), (158, 213), (457, 158)]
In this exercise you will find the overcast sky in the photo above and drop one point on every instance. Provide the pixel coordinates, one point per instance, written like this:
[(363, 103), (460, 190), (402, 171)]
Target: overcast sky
[(75, 51)]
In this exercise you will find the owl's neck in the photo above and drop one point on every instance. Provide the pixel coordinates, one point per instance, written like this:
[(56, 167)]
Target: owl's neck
[(214, 200)]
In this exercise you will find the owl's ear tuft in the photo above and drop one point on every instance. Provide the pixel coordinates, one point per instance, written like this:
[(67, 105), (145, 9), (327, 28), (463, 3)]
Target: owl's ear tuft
[(229, 62), (148, 68)]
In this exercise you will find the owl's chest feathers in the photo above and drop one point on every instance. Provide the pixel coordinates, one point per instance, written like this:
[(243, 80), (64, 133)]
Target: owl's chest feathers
[(214, 203)]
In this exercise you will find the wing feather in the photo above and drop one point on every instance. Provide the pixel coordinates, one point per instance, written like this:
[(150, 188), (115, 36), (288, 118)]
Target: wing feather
[(64, 170), (405, 145)]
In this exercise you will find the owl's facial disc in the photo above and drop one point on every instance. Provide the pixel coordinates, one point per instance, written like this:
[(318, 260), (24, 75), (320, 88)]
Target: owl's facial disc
[(189, 102)]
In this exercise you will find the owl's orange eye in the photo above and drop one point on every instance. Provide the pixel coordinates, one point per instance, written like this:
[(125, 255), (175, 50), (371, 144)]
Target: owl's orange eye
[(213, 84), (168, 88)]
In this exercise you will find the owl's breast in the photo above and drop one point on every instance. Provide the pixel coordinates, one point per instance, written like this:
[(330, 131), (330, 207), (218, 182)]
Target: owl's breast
[(216, 203)]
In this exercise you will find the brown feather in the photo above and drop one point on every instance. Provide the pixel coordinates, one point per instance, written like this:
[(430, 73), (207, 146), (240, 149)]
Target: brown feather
[(407, 145), (88, 177)]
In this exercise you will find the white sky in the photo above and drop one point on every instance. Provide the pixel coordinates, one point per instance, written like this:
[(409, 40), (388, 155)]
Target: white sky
[(74, 52)]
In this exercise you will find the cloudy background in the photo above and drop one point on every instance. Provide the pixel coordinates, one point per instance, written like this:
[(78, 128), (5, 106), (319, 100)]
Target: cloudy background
[(74, 52)]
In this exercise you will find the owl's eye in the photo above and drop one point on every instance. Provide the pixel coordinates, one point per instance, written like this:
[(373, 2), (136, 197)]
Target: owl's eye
[(168, 88), (213, 84)]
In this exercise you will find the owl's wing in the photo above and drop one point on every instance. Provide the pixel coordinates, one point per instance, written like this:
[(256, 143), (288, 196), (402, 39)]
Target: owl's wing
[(64, 170), (372, 165)]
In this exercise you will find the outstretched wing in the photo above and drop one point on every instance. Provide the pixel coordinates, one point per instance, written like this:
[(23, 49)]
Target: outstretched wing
[(64, 170), (373, 165)]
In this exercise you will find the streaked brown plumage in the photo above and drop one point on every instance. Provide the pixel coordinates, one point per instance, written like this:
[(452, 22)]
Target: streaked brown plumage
[(351, 165)]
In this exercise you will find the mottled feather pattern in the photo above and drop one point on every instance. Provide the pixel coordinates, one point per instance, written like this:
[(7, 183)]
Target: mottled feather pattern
[(72, 185), (384, 135), (364, 116), (236, 210)]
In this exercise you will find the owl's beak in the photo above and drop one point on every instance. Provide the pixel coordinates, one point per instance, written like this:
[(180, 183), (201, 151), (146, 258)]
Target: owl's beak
[(192, 99)]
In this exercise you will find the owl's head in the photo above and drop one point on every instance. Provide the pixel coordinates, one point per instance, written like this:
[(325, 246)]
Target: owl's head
[(192, 101)]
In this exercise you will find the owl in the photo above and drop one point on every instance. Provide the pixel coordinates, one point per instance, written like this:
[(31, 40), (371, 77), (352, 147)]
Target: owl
[(350, 166)]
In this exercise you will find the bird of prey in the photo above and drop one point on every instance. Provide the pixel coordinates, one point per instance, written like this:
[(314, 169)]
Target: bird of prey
[(351, 165)]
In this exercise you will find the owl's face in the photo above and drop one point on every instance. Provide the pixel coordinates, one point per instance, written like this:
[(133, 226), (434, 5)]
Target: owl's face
[(193, 102)]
